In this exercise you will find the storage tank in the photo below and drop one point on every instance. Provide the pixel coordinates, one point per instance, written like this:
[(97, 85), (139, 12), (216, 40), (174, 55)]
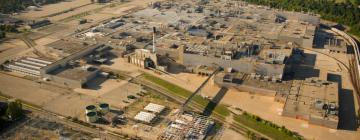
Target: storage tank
[(104, 108), (319, 104), (90, 108), (91, 117)]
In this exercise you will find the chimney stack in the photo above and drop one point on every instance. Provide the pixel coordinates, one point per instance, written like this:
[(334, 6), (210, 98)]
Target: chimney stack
[(154, 32)]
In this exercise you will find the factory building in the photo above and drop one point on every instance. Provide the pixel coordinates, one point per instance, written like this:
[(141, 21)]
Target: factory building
[(72, 71), (27, 65), (313, 100), (143, 58)]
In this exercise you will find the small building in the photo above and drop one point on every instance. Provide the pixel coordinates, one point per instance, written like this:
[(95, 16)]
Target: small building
[(198, 32), (102, 1), (204, 70), (82, 21), (114, 24), (145, 117), (155, 108), (38, 24)]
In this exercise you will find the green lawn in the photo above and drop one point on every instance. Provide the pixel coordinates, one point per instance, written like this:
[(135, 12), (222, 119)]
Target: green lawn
[(220, 109), (263, 128)]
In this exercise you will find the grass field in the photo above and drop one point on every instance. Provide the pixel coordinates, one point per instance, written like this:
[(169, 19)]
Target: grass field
[(263, 128), (220, 109)]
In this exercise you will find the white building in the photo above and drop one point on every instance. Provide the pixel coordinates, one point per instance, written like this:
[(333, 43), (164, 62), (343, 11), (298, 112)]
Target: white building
[(27, 65)]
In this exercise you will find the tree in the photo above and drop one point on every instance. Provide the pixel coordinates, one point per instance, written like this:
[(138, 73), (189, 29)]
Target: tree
[(346, 12), (250, 135), (2, 34), (14, 110)]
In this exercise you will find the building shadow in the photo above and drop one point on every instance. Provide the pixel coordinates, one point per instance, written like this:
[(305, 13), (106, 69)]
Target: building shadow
[(117, 112), (300, 70), (347, 114), (95, 84), (172, 66), (215, 101)]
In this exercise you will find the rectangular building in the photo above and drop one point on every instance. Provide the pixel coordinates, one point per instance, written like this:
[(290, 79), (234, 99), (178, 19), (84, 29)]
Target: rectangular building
[(313, 100)]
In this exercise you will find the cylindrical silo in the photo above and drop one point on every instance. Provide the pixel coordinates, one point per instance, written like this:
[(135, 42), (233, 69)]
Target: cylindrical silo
[(91, 117), (90, 108), (104, 108)]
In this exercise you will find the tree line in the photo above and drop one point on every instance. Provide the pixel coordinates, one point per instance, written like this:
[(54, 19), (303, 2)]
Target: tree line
[(6, 28), (347, 12), (10, 6)]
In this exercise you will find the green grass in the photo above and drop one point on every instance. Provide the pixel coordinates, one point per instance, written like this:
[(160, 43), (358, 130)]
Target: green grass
[(266, 129), (220, 109)]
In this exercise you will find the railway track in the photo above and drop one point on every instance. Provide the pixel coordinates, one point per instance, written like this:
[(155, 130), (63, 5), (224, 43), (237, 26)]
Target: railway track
[(31, 44), (354, 62)]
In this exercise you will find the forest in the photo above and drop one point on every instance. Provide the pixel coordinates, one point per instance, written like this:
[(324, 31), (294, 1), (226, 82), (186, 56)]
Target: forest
[(346, 12)]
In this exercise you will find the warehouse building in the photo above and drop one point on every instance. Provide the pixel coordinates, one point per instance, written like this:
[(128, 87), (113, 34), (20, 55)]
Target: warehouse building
[(145, 117), (27, 65), (71, 71), (154, 108)]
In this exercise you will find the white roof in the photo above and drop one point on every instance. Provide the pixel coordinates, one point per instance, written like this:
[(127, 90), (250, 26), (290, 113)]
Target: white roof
[(144, 117), (154, 108)]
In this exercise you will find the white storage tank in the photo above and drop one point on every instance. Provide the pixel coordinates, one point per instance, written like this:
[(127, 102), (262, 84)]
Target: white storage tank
[(91, 117), (90, 108), (104, 108)]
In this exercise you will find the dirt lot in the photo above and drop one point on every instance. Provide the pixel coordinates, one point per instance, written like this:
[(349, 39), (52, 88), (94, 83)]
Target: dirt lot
[(10, 48), (60, 101), (53, 8), (20, 88)]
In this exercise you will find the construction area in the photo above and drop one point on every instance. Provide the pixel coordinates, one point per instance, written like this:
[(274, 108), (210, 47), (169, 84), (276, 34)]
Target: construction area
[(91, 63)]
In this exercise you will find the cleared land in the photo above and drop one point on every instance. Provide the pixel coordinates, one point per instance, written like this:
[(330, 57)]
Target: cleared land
[(53, 8)]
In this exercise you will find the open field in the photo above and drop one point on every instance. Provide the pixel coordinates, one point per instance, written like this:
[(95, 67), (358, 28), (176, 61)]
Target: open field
[(53, 8), (10, 48)]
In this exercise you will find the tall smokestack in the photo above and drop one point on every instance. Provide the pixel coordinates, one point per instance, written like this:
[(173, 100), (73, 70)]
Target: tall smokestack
[(154, 31)]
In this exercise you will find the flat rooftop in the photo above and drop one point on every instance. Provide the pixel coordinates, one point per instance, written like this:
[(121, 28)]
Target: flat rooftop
[(304, 94), (77, 73)]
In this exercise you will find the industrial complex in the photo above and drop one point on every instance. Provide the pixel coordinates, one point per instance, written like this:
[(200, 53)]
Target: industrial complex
[(175, 70)]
